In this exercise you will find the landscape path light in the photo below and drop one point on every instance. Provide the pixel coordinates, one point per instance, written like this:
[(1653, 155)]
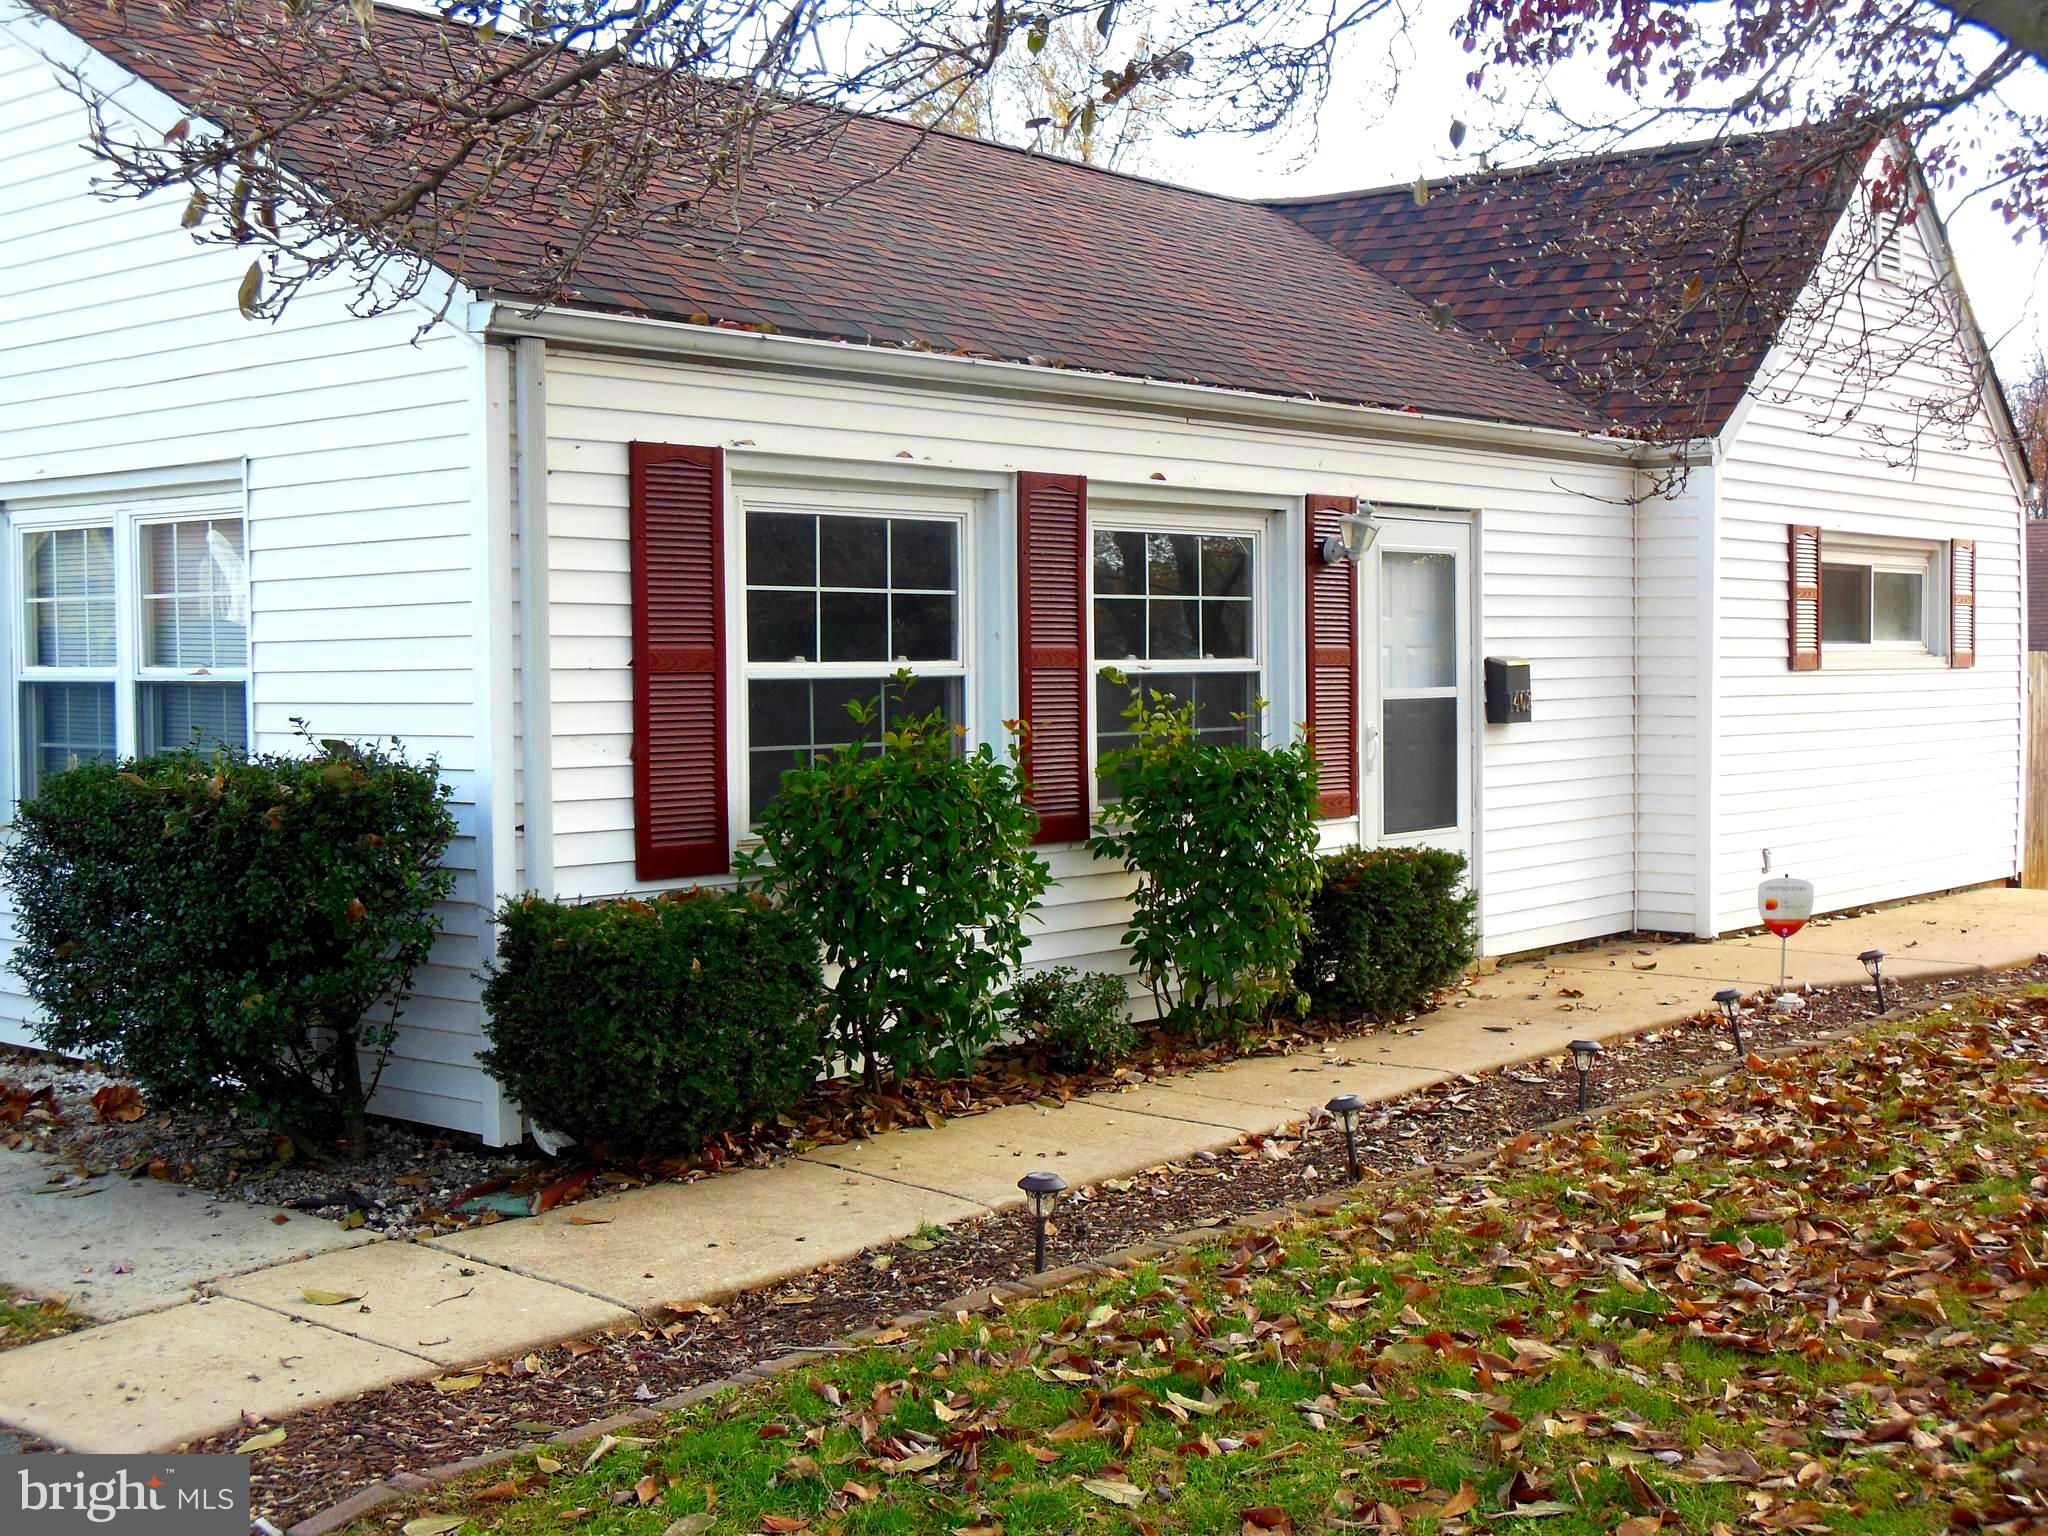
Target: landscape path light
[(1730, 999), (1346, 1107), (1042, 1188), (1873, 962), (1583, 1053)]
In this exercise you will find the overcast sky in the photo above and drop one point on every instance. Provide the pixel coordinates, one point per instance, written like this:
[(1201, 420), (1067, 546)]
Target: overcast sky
[(1362, 140)]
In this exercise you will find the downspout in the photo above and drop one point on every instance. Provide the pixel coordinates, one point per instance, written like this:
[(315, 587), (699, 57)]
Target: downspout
[(536, 691)]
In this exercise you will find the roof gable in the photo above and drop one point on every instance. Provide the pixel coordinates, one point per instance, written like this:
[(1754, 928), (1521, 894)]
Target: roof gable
[(1649, 283)]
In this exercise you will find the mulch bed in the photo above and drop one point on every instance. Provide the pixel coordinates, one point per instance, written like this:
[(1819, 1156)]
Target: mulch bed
[(329, 1452)]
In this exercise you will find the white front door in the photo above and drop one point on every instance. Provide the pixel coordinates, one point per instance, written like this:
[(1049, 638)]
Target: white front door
[(1419, 702)]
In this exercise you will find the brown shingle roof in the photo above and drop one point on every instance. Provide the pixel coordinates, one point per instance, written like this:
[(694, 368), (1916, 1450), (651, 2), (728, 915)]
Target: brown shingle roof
[(967, 247), (1580, 268)]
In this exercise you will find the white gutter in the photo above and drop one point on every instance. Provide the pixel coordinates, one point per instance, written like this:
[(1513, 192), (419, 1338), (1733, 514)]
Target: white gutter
[(591, 330)]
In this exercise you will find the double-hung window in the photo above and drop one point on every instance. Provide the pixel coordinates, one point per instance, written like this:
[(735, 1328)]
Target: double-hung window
[(131, 637), (1878, 598), (1175, 612), (841, 593)]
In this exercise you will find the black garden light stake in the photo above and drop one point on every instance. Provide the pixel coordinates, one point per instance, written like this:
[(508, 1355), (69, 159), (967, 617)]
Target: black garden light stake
[(1346, 1107), (1041, 1187), (1730, 999), (1583, 1052), (1873, 962)]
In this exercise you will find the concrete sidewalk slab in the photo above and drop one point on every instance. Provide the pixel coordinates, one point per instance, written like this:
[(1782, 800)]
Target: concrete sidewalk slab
[(1182, 1099), (154, 1382), (1296, 1087), (114, 1247), (451, 1310), (981, 1157), (708, 1239)]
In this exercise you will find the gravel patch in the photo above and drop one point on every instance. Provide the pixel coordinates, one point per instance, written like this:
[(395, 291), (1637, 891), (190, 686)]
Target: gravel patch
[(405, 1184)]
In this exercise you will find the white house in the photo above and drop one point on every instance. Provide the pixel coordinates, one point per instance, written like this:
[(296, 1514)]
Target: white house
[(1016, 419)]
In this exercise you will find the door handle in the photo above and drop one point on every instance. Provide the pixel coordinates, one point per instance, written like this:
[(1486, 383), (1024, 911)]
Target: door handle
[(1372, 747)]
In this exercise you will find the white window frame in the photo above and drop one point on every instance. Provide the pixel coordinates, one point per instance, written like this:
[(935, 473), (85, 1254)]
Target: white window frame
[(924, 505), (1923, 558), (125, 516), (1194, 517)]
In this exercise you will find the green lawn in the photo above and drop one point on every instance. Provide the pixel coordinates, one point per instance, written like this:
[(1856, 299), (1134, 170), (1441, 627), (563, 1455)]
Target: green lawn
[(23, 1320), (1803, 1299)]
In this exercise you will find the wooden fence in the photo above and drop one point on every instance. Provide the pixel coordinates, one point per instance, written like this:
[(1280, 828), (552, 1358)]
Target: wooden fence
[(2035, 866)]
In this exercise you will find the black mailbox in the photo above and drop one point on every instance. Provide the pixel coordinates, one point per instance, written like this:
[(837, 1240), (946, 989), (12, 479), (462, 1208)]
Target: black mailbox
[(1507, 690)]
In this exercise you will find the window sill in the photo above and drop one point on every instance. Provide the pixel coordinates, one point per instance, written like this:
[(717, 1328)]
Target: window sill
[(1843, 659)]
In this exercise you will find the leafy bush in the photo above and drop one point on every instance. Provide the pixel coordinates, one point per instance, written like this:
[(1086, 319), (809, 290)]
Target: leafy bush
[(1389, 927), (653, 1026), (1222, 839), (912, 862), (1081, 1021), (220, 929)]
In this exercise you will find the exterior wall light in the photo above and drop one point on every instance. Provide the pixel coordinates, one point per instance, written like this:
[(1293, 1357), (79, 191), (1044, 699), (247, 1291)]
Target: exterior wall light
[(1873, 962), (1346, 1107), (1583, 1054), (1042, 1188), (1354, 536), (1730, 999)]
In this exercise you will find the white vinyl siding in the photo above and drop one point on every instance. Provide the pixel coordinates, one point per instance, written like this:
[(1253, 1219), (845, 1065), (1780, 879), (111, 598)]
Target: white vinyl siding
[(1556, 797), (125, 355), (1876, 776)]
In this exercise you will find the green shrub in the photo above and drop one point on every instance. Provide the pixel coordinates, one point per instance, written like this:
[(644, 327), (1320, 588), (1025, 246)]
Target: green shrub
[(1222, 839), (221, 929), (653, 1026), (1389, 927), (1080, 1021), (912, 862)]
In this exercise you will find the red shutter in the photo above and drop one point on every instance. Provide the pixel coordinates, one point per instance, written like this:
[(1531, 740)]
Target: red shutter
[(1805, 607), (679, 768), (1052, 635), (1962, 602), (1332, 661)]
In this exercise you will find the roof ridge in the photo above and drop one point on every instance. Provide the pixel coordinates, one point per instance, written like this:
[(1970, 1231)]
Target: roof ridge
[(936, 130), (1503, 173)]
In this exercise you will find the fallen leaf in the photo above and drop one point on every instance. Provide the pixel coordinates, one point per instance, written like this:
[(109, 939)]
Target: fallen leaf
[(264, 1442), (330, 1298), (119, 1103), (1126, 1494)]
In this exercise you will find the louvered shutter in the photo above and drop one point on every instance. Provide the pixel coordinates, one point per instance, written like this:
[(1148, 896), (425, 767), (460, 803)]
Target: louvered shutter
[(1332, 661), (1962, 602), (1805, 608), (679, 756), (1052, 631)]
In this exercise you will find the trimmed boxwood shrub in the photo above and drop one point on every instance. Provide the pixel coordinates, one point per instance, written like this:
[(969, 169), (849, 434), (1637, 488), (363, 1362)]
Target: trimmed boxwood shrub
[(1388, 928), (653, 1026), (230, 932), (1079, 1021)]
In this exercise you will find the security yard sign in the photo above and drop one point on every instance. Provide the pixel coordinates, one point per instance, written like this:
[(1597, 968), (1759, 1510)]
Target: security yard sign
[(1785, 905)]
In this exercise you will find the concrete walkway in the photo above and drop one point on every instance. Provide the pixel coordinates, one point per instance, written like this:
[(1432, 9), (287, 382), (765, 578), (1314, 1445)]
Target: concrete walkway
[(115, 1247), (258, 1344)]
